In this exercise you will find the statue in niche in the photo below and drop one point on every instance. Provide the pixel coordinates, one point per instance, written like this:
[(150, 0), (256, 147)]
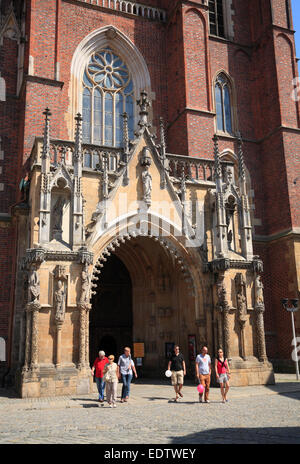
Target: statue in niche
[(228, 176), (230, 208), (147, 185), (259, 296), (85, 286), (241, 297), (60, 302), (146, 176), (34, 286), (58, 218)]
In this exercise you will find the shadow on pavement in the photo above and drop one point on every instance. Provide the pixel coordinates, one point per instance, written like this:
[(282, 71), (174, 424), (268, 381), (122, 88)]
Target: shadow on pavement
[(288, 389), (266, 435)]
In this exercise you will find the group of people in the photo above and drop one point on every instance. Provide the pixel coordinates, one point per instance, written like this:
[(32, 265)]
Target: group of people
[(203, 373), (108, 373)]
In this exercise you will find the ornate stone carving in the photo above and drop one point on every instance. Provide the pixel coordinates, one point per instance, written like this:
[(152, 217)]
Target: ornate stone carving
[(260, 309), (82, 337), (259, 296), (144, 104), (85, 286), (223, 307), (33, 286)]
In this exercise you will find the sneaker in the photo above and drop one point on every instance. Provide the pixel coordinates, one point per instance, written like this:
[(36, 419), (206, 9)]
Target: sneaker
[(207, 401), (114, 405)]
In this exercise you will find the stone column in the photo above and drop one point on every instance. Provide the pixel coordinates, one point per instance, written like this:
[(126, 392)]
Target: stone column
[(226, 327), (34, 366), (260, 331), (58, 343), (27, 339), (243, 345), (82, 336), (87, 336)]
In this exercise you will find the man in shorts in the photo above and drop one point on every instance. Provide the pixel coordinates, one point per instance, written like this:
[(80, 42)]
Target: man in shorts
[(203, 372), (177, 366)]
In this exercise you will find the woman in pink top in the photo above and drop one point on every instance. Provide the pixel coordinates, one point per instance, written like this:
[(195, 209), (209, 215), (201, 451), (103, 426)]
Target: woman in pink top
[(223, 374)]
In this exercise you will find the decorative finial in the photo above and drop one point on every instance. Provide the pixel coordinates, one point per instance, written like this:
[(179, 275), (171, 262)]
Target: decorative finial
[(218, 170), (46, 141), (125, 133), (144, 104), (162, 136), (78, 137), (242, 174)]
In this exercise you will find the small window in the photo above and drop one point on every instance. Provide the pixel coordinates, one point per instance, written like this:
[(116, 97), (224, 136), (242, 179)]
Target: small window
[(2, 349), (2, 89), (223, 104), (216, 18), (107, 93)]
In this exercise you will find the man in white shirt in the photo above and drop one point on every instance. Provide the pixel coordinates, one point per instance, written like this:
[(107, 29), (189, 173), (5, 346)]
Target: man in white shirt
[(203, 372)]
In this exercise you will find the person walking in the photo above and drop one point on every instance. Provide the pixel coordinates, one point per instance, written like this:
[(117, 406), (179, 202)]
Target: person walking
[(110, 376), (98, 366), (203, 372), (222, 374), (126, 367), (177, 366)]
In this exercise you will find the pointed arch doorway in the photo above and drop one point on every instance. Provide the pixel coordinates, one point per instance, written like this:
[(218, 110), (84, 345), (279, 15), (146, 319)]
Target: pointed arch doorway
[(142, 296), (111, 315)]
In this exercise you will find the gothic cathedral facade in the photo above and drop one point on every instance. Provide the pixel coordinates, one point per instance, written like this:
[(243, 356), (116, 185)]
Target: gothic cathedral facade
[(149, 186)]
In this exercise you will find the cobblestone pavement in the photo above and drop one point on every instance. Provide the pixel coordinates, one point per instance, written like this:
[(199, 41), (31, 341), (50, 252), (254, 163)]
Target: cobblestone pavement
[(253, 415)]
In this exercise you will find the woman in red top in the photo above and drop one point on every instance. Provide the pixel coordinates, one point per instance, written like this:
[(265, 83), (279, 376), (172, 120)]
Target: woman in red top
[(98, 366), (223, 374)]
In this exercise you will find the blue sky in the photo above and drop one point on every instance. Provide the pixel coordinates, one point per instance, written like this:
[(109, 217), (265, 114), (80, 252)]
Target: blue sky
[(296, 20)]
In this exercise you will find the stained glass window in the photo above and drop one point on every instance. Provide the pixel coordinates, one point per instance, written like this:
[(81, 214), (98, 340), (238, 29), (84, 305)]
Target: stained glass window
[(107, 94), (223, 104)]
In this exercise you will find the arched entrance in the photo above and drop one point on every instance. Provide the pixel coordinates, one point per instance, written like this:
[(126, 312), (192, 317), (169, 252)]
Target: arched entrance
[(111, 315), (144, 294)]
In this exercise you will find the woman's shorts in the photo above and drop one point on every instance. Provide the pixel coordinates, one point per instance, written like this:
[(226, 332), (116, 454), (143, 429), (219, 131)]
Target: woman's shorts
[(223, 378), (177, 378)]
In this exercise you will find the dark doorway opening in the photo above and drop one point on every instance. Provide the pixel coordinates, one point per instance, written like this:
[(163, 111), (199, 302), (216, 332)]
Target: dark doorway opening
[(111, 314)]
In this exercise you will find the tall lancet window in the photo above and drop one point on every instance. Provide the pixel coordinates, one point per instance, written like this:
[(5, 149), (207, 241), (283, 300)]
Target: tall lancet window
[(223, 104), (107, 94), (216, 17)]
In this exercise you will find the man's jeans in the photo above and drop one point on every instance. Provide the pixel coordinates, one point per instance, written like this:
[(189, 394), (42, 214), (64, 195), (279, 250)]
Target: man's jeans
[(126, 378), (101, 386)]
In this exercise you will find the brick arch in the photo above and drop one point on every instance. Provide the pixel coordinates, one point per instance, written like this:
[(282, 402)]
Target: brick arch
[(286, 75), (197, 59)]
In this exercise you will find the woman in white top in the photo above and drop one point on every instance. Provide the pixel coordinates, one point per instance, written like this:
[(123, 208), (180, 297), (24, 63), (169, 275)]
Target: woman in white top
[(110, 376), (126, 366)]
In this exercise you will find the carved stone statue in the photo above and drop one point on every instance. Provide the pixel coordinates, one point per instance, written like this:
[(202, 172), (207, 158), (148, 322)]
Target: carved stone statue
[(85, 286), (33, 287), (147, 183), (241, 297), (60, 302), (58, 218), (259, 296)]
